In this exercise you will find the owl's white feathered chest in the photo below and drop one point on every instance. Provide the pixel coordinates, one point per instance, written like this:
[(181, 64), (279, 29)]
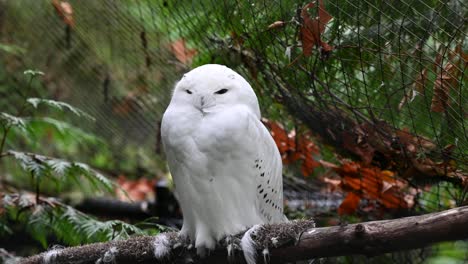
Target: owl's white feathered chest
[(213, 161)]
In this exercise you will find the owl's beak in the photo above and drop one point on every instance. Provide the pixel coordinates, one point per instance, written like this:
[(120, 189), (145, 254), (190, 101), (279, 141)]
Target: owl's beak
[(205, 104), (202, 101), (201, 105)]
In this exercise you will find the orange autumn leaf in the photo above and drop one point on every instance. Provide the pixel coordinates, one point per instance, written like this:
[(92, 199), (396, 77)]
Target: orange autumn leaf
[(181, 52), (312, 28), (135, 190), (294, 148), (350, 168), (279, 134), (371, 183), (65, 11), (349, 204), (393, 201)]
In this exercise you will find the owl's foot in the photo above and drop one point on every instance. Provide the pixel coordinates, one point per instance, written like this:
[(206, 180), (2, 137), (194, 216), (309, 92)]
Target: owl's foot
[(182, 241), (202, 251), (232, 246), (249, 246)]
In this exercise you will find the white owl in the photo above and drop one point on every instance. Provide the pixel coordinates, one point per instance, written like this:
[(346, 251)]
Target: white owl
[(226, 167)]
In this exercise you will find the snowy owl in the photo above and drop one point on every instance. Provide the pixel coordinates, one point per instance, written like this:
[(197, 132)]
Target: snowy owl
[(225, 165)]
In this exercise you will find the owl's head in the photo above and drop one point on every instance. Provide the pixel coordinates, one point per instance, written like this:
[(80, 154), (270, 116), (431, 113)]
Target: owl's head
[(213, 88)]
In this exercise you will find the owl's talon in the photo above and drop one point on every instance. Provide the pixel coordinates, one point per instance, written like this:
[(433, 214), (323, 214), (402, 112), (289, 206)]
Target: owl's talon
[(233, 245), (188, 260), (248, 244), (177, 245), (266, 255), (298, 239)]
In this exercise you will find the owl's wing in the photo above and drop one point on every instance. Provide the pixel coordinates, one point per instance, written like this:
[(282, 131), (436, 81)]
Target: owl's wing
[(267, 172)]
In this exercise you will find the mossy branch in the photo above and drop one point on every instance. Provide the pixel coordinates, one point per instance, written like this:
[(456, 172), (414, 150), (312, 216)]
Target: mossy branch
[(280, 243)]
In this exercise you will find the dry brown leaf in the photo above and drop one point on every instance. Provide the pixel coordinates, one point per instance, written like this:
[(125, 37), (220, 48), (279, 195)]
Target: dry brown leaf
[(327, 164), (409, 141), (437, 63), (312, 28), (334, 183), (446, 80), (276, 24), (65, 11), (181, 52), (417, 88), (355, 142)]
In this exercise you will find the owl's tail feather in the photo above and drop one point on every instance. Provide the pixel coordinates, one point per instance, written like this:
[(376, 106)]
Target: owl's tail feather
[(248, 245)]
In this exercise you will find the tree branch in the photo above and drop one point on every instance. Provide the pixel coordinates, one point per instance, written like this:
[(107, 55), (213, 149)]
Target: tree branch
[(293, 241)]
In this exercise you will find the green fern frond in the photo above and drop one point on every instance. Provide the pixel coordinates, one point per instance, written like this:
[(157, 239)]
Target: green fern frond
[(12, 49), (62, 127), (4, 229), (70, 226), (96, 230), (43, 166), (59, 166), (96, 178), (12, 121), (35, 102), (32, 163), (33, 72)]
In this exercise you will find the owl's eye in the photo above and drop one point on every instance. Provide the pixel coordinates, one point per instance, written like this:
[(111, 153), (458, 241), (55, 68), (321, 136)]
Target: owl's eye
[(188, 91), (222, 91)]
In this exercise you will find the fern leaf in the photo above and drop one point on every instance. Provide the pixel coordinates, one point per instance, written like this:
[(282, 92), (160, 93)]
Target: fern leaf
[(93, 176), (35, 124), (31, 162), (12, 121), (43, 166), (35, 102), (59, 166), (12, 49), (33, 72), (70, 226)]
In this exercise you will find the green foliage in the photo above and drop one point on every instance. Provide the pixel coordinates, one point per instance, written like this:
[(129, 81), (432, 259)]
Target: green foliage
[(46, 217), (36, 126), (12, 49), (450, 253), (379, 50), (12, 121), (35, 102), (40, 166), (56, 169)]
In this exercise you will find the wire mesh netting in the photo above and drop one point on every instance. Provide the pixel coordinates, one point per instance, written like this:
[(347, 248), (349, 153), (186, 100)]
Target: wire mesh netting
[(382, 82)]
